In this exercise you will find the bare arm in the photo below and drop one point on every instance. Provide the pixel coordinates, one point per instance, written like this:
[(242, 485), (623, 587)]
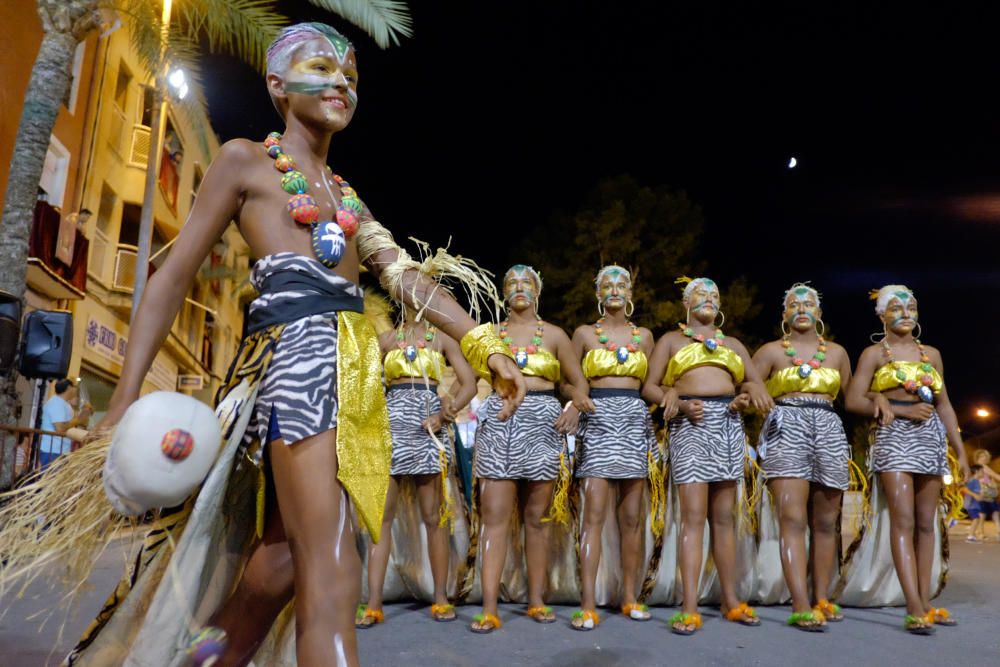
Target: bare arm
[(857, 398), (846, 378), (752, 384), (947, 414), (165, 292), (652, 389), (467, 381)]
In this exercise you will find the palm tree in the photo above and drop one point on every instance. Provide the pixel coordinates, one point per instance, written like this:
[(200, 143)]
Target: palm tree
[(241, 27)]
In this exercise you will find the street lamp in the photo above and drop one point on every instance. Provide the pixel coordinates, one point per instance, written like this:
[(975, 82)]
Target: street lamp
[(983, 413), (179, 83)]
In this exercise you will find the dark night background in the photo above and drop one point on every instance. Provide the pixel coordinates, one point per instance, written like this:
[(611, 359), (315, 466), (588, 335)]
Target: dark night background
[(497, 115)]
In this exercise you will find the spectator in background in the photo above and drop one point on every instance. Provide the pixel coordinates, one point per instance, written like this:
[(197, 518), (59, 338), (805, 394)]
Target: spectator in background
[(58, 415), (989, 506), (973, 499)]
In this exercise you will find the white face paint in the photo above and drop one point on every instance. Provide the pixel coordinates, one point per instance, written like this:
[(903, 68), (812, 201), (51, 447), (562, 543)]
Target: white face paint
[(320, 69)]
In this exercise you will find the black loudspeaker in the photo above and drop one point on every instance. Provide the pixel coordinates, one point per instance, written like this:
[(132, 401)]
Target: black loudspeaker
[(10, 330), (46, 344)]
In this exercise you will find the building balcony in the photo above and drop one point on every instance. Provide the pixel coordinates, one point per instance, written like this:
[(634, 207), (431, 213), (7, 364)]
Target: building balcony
[(57, 255)]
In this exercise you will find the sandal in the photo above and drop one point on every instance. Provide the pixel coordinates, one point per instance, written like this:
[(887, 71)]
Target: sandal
[(918, 625), (685, 624), (941, 616), (366, 617), (808, 621), (831, 611), (487, 623), (585, 619), (636, 611), (207, 647), (542, 614), (443, 613), (743, 614)]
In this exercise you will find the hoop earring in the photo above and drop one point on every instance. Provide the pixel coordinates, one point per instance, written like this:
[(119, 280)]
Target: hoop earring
[(628, 313), (820, 327), (600, 307), (919, 332), (687, 319), (785, 330), (719, 325), (535, 304)]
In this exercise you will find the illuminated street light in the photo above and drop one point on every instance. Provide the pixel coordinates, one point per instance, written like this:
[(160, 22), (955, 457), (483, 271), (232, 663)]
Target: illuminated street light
[(178, 81), (982, 413)]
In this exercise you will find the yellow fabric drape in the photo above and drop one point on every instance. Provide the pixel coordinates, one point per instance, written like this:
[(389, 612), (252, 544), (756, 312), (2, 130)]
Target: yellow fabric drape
[(821, 380), (696, 354), (604, 363)]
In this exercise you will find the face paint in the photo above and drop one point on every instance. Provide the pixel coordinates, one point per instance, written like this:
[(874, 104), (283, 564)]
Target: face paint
[(902, 308), (802, 302), (614, 288), (521, 283), (318, 67), (705, 294)]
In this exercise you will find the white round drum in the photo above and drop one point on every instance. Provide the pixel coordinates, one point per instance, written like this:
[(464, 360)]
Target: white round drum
[(161, 451)]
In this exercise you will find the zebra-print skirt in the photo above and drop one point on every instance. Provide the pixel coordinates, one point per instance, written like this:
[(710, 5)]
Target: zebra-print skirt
[(804, 438), (712, 450), (616, 439), (413, 450), (526, 446), (912, 446), (300, 386)]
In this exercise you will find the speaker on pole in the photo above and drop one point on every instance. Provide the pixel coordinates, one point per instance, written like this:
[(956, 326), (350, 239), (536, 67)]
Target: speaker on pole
[(46, 344)]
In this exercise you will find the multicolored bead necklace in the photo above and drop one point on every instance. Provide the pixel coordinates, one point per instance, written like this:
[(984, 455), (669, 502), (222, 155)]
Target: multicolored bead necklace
[(410, 351), (521, 353), (921, 389), (329, 238), (621, 351), (711, 344), (805, 367)]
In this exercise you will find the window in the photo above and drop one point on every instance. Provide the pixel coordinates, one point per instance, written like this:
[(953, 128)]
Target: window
[(121, 87), (196, 184), (54, 172), (146, 108), (106, 209), (171, 159), (129, 234)]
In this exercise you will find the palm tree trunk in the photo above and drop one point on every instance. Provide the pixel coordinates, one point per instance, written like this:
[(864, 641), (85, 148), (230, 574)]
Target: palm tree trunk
[(65, 24)]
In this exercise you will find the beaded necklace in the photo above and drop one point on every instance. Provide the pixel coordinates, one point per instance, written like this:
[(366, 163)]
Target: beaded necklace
[(329, 238), (921, 389), (711, 344), (805, 367), (410, 351), (521, 353), (621, 351)]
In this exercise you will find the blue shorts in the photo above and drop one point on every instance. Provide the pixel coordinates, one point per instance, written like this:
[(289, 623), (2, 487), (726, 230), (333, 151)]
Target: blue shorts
[(988, 507)]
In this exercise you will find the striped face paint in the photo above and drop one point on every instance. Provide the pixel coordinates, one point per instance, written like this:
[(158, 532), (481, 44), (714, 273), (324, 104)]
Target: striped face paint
[(802, 302), (319, 65), (614, 287), (701, 293), (521, 282)]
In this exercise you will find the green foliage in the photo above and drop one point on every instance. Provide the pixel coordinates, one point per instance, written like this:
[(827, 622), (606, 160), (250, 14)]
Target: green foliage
[(654, 232)]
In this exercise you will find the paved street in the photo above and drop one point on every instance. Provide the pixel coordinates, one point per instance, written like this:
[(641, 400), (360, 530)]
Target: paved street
[(866, 637)]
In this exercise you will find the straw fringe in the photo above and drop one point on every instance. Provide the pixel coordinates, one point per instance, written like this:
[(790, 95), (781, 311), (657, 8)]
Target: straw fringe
[(559, 508), (59, 522)]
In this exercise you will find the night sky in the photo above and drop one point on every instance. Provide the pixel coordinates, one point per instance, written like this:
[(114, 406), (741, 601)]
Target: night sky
[(495, 116)]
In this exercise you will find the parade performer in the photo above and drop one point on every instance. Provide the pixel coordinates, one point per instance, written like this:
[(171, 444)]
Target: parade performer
[(617, 446), (916, 423), (518, 462), (414, 364), (805, 453), (302, 406), (696, 371)]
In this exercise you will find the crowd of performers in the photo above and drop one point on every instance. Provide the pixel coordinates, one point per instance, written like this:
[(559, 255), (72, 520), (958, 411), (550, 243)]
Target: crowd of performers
[(328, 427)]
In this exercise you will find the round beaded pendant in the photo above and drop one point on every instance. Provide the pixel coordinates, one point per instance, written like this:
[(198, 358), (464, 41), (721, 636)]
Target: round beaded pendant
[(922, 388), (711, 344), (521, 354), (805, 368), (410, 350), (622, 352)]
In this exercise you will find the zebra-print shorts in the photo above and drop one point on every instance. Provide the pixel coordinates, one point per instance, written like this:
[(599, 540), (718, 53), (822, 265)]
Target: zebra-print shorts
[(526, 446), (615, 441), (804, 438), (413, 450), (906, 445), (712, 450)]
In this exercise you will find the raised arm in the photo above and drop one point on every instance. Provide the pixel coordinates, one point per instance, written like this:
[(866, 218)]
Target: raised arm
[(165, 292)]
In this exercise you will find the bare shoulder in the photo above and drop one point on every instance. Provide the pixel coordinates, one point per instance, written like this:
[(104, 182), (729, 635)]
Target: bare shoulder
[(870, 354), (933, 352), (555, 333), (239, 152), (583, 332), (736, 344)]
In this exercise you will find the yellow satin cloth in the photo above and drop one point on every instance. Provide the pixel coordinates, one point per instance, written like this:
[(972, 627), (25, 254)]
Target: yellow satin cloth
[(885, 377), (604, 363), (696, 355), (543, 364), (821, 380), (364, 443), (428, 363)]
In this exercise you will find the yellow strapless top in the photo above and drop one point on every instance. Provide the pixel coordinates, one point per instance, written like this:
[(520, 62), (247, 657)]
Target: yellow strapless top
[(543, 364), (821, 380), (696, 354), (603, 362), (897, 373), (428, 361)]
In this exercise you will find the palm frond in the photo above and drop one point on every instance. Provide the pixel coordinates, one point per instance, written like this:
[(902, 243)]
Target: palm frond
[(243, 28), (384, 20)]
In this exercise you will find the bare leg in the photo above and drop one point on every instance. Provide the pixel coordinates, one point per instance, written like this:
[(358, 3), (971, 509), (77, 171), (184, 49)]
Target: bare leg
[(694, 510), (266, 586), (823, 527), (900, 496), (429, 497), (630, 527), (928, 497), (378, 554), (792, 497), (595, 502), (495, 509), (317, 518), (535, 498), (722, 525)]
